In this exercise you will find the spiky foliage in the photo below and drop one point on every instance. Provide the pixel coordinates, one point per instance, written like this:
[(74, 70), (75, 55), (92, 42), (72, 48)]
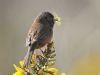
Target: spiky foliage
[(41, 64), (44, 61)]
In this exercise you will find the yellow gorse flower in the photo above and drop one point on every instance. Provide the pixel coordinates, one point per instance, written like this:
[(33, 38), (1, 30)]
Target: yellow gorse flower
[(63, 73), (33, 60), (53, 70), (19, 71), (21, 63)]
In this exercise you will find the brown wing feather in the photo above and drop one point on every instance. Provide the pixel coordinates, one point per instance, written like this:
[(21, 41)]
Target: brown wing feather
[(32, 33), (38, 32)]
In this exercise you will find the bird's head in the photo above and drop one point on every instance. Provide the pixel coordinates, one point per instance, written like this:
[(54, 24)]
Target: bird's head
[(48, 18)]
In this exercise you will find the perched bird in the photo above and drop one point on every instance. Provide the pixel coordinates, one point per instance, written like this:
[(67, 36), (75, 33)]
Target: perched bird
[(40, 34)]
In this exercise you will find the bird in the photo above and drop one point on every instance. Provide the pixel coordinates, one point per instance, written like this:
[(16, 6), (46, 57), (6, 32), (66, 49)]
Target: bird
[(40, 34)]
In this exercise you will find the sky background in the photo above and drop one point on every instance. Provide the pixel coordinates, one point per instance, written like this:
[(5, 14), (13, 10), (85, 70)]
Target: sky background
[(77, 40)]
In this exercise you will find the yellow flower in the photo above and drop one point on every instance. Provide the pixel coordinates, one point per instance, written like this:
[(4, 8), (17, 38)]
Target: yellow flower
[(53, 70), (33, 61), (21, 63), (19, 70), (63, 73)]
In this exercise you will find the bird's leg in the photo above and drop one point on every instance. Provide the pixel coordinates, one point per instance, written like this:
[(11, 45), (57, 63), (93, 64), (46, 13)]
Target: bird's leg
[(27, 59)]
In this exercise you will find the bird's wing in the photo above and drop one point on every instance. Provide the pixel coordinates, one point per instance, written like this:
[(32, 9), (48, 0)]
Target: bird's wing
[(44, 34), (39, 34), (29, 39), (33, 31)]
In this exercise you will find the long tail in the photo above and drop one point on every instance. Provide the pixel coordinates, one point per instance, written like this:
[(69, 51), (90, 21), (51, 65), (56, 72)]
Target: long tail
[(28, 57)]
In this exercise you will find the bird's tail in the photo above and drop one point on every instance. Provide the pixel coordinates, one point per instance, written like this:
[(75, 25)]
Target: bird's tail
[(33, 46), (28, 57)]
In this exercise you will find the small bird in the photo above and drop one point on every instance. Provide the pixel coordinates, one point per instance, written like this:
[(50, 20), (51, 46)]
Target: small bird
[(40, 34)]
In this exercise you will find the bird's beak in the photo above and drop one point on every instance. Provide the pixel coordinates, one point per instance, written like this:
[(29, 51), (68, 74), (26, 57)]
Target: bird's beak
[(57, 19)]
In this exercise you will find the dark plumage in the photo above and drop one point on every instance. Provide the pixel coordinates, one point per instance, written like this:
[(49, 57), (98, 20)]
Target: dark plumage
[(40, 34)]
